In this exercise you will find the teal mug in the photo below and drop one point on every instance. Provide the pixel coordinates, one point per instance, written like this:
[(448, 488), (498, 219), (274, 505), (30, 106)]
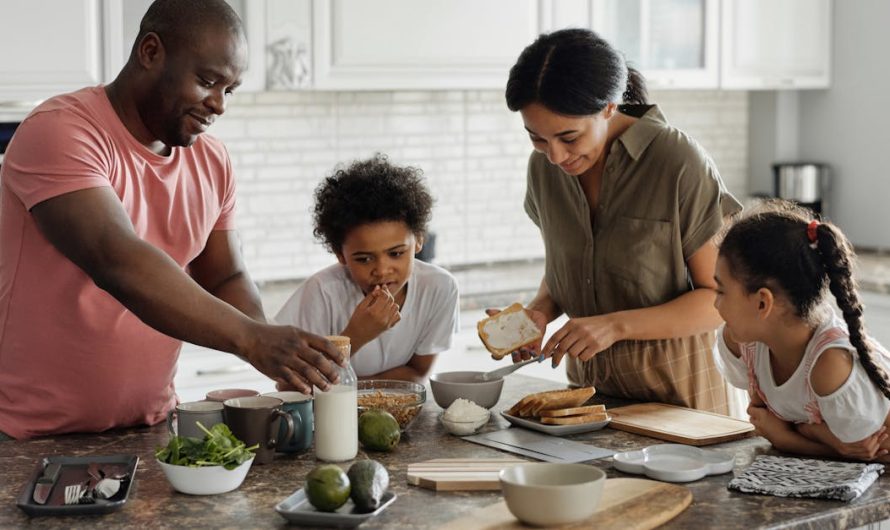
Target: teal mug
[(299, 406)]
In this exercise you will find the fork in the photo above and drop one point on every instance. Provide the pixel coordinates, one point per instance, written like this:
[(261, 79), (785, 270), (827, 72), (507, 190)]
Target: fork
[(79, 494)]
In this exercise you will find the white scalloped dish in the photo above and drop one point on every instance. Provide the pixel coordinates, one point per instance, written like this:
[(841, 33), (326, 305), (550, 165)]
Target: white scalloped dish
[(674, 462)]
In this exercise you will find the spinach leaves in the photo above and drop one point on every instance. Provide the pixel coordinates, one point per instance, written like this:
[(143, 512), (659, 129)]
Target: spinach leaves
[(218, 448)]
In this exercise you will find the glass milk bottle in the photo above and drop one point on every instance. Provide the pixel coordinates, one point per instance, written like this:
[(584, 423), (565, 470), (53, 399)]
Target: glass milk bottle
[(336, 413)]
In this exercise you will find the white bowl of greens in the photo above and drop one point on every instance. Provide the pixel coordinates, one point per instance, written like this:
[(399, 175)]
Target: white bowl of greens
[(216, 464)]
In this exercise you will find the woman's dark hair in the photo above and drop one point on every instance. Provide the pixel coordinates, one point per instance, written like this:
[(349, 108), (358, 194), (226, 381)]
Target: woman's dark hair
[(369, 191), (573, 72), (771, 248)]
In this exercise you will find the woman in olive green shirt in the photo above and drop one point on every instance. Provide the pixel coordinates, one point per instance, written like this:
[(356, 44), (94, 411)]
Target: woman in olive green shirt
[(628, 208)]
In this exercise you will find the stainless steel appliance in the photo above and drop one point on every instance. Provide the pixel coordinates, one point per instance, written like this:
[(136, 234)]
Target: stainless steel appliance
[(806, 183)]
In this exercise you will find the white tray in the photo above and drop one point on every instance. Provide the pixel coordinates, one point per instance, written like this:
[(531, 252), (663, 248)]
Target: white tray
[(674, 462), (555, 430), (297, 509)]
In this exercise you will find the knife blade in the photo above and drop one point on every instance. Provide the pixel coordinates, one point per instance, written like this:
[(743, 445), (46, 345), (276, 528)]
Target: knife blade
[(45, 483)]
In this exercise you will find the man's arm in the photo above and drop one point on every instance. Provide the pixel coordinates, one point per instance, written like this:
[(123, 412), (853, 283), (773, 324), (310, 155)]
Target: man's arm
[(220, 270), (91, 228)]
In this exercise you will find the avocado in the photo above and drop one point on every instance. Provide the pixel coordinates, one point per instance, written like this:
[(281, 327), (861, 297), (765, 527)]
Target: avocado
[(378, 430), (369, 480), (327, 487)]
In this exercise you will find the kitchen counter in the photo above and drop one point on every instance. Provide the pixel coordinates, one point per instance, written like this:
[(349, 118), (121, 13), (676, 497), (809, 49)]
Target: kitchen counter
[(153, 503)]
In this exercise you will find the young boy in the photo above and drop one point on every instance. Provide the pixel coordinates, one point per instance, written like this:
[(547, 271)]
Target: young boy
[(398, 313)]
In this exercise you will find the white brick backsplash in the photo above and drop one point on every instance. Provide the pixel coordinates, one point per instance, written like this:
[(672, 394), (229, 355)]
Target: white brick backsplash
[(472, 149)]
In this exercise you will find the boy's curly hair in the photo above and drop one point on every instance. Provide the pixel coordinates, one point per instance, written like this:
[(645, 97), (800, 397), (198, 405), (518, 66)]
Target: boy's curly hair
[(370, 191)]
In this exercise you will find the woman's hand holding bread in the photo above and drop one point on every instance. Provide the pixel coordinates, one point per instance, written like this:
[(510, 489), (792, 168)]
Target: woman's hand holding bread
[(515, 330)]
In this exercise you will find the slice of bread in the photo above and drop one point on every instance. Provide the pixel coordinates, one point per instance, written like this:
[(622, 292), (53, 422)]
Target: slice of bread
[(508, 331), (576, 419), (533, 404), (574, 411)]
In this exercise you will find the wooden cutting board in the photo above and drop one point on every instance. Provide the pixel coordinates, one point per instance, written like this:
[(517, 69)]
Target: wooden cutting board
[(460, 474), (678, 424), (627, 504)]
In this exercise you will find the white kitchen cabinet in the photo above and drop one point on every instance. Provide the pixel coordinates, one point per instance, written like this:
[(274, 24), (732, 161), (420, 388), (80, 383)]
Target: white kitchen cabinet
[(201, 370), (775, 44), (49, 47), (121, 26), (674, 43), (406, 44)]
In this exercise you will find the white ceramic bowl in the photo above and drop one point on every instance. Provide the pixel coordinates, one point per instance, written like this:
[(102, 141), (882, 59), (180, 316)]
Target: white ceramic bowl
[(208, 480), (448, 386), (552, 494), (464, 428)]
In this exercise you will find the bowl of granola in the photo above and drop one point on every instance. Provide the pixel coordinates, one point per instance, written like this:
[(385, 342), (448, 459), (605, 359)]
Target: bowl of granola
[(402, 399)]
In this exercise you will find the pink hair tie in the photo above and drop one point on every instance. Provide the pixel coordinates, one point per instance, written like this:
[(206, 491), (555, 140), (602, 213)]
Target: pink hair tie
[(811, 232)]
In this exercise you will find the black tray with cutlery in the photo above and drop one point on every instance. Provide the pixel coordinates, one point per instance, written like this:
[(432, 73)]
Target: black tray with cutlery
[(45, 491)]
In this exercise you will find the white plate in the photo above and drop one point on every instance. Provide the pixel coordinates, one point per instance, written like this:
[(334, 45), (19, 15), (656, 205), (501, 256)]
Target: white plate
[(674, 462), (297, 509), (555, 430)]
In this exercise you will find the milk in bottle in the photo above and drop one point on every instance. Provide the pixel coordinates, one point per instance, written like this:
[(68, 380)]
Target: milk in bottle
[(336, 416)]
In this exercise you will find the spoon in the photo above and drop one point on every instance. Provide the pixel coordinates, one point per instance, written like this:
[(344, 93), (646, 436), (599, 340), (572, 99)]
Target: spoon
[(505, 370)]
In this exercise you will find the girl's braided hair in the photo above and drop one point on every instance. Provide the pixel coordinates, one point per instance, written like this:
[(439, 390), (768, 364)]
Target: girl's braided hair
[(772, 248)]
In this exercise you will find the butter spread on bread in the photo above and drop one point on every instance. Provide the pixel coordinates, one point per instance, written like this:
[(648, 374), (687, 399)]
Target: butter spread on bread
[(508, 331)]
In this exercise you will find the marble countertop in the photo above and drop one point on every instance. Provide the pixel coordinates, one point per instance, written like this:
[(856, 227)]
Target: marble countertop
[(153, 503)]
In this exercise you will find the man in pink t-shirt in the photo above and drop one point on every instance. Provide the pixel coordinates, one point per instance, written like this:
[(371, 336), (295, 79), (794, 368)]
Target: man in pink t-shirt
[(117, 240)]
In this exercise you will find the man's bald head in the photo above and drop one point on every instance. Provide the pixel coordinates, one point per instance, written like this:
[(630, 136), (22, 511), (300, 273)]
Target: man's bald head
[(179, 22)]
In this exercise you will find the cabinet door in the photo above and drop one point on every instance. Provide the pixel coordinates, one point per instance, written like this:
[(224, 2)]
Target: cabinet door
[(775, 44), (672, 42), (406, 44), (49, 47)]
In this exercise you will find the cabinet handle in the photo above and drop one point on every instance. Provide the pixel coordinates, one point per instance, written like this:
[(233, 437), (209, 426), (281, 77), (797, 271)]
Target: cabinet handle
[(233, 369)]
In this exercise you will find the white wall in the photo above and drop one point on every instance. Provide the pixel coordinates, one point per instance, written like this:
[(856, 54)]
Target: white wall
[(846, 125), (472, 149)]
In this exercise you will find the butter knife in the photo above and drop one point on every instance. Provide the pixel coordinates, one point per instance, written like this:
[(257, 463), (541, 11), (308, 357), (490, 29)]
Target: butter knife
[(45, 483), (506, 370)]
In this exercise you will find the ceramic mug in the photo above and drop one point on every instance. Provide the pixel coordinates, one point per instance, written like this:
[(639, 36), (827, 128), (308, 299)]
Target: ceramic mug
[(187, 415), (228, 393), (299, 406), (256, 420)]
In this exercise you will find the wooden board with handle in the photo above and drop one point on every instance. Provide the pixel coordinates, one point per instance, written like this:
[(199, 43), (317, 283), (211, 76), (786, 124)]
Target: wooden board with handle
[(678, 424), (460, 474), (627, 504)]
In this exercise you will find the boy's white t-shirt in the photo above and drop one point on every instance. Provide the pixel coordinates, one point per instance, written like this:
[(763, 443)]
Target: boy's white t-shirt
[(853, 412), (324, 303)]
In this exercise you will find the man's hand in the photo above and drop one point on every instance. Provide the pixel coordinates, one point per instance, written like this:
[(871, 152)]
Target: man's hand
[(532, 350), (294, 358), (376, 313), (582, 338)]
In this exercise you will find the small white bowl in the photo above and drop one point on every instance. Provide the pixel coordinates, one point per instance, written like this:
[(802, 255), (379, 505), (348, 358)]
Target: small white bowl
[(465, 428), (208, 480), (552, 494)]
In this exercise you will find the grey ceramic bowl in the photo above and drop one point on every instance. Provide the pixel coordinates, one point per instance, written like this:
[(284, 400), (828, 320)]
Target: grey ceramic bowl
[(552, 494), (448, 386)]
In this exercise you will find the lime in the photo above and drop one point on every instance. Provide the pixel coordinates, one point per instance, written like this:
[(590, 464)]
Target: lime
[(327, 487), (378, 430)]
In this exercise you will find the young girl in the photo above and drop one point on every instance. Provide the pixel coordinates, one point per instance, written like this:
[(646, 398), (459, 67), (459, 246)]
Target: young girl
[(399, 313), (818, 384)]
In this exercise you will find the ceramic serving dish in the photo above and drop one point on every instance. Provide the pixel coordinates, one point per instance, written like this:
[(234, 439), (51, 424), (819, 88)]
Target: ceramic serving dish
[(674, 462), (209, 480), (555, 430), (297, 509)]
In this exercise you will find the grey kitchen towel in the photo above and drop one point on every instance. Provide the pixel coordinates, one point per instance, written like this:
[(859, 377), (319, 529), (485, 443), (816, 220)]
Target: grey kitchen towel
[(798, 477)]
